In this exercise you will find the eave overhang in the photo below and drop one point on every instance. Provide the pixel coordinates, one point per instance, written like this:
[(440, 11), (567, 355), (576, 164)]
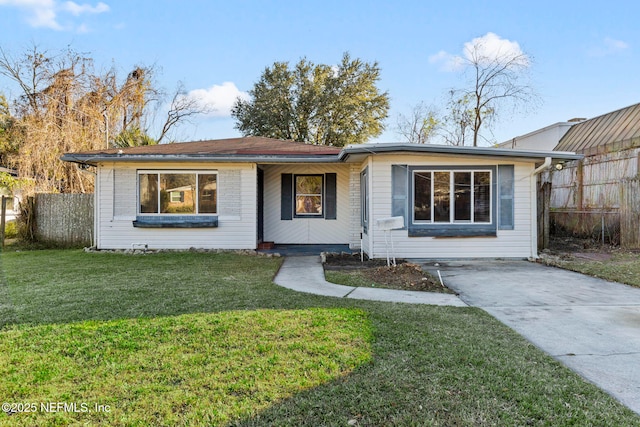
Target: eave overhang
[(94, 159), (349, 154), (449, 150)]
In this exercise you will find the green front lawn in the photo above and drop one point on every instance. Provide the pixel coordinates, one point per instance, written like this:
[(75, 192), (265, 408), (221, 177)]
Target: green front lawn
[(208, 339)]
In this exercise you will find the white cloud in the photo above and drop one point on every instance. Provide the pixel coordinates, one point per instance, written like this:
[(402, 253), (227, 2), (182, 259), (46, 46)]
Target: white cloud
[(491, 47), (608, 46), (447, 61), (218, 99), (488, 48), (78, 9), (44, 13)]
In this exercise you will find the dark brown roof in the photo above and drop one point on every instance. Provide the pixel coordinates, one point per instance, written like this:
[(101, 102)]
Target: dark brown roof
[(249, 145), (267, 150), (619, 129)]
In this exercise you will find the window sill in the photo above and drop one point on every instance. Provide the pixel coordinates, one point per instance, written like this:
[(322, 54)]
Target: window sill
[(178, 221), (453, 230)]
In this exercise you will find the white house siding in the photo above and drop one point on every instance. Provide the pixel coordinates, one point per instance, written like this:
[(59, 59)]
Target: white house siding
[(354, 207), (517, 243), (117, 206), (306, 230), (542, 139)]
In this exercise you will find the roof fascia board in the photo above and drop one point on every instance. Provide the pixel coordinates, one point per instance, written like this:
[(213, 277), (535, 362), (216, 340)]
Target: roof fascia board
[(457, 150), (366, 149), (94, 159)]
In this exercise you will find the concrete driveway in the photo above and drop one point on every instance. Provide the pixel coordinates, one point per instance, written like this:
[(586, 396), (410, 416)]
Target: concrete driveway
[(590, 325)]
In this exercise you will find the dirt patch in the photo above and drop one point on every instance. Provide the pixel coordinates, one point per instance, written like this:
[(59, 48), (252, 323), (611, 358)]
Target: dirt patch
[(404, 276), (345, 261), (562, 249), (574, 245), (586, 255)]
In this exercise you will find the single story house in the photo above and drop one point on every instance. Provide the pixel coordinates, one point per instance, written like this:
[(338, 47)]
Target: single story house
[(454, 202)]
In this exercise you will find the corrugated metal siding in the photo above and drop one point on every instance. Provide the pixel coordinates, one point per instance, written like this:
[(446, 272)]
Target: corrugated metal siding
[(508, 243), (617, 130), (306, 230), (237, 199)]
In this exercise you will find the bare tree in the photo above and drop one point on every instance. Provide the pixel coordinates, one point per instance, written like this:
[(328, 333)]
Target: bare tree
[(498, 80), (47, 118), (181, 109), (420, 126), (458, 120), (64, 106)]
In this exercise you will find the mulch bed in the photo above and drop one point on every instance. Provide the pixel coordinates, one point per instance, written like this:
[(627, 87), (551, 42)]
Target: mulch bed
[(404, 276)]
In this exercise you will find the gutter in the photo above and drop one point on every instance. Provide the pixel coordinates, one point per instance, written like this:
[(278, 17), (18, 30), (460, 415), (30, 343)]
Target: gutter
[(453, 150), (97, 158)]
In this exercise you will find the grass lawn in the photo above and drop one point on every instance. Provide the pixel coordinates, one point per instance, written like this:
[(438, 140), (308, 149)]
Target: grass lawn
[(623, 267), (354, 279), (208, 339)]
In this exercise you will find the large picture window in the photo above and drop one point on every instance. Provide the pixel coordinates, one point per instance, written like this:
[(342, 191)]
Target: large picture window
[(447, 197), (176, 192), (454, 201)]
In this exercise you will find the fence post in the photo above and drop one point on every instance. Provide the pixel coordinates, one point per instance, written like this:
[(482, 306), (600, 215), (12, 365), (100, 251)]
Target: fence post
[(3, 215), (629, 215), (544, 220)]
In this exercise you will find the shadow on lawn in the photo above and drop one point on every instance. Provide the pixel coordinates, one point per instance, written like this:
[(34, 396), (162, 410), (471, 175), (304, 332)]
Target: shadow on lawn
[(428, 371)]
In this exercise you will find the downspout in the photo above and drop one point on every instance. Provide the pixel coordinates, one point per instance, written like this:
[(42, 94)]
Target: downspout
[(544, 166)]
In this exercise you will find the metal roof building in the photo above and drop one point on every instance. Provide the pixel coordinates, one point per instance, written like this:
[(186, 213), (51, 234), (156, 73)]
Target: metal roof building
[(600, 194), (614, 131)]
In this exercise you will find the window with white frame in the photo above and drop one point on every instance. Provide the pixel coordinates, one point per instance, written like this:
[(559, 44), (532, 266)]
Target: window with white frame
[(177, 192), (452, 196)]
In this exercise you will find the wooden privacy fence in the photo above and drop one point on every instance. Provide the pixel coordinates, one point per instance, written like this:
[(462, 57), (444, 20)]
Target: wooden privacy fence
[(630, 213), (618, 224), (65, 219)]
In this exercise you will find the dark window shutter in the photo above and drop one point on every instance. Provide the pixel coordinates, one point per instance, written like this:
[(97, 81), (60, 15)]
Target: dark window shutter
[(330, 195), (399, 191), (505, 197), (286, 197)]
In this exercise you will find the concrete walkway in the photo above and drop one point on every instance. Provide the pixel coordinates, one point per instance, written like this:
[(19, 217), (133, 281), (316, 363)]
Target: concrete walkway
[(589, 324), (305, 274)]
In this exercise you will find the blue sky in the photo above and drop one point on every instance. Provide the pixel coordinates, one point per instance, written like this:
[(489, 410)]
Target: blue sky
[(585, 58)]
